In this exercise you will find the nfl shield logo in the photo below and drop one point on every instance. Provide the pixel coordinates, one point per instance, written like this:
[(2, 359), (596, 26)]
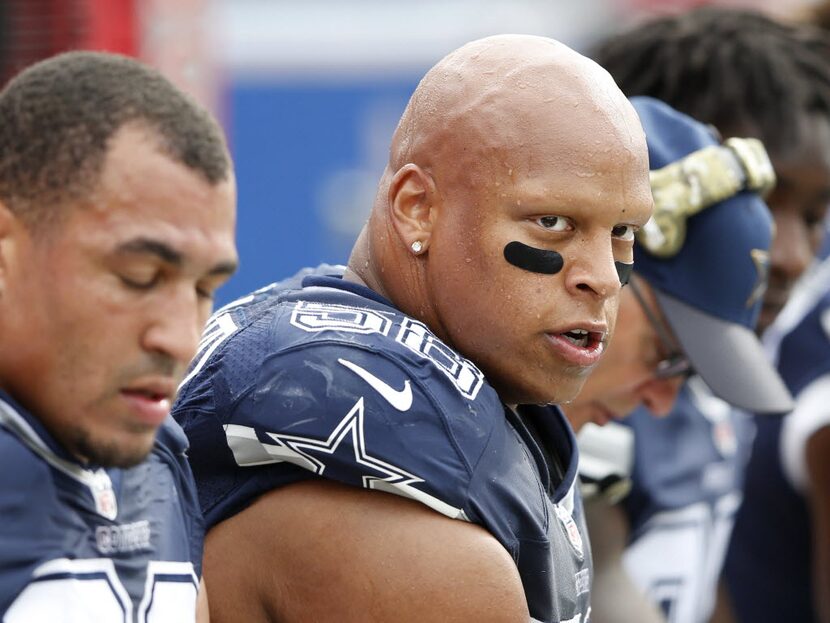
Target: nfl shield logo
[(571, 529), (105, 502)]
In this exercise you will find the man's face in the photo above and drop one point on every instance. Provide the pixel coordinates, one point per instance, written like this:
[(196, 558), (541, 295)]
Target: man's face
[(627, 375), (537, 336), (798, 205), (103, 312)]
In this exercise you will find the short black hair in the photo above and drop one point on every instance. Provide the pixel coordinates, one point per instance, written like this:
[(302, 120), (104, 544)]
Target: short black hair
[(57, 118), (734, 69)]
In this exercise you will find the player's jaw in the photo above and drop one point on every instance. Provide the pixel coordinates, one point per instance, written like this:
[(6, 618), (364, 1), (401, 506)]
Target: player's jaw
[(119, 430), (122, 445), (603, 409), (556, 365)]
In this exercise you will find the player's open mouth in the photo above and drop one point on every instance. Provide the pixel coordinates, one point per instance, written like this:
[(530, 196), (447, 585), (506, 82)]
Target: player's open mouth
[(579, 346), (150, 395), (149, 407), (578, 337), (150, 400)]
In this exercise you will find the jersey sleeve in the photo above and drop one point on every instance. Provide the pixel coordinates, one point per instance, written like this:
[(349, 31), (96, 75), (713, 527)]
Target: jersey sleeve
[(346, 411)]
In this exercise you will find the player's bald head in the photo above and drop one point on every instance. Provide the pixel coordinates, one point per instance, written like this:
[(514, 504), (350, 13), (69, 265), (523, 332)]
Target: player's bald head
[(499, 96), (510, 142)]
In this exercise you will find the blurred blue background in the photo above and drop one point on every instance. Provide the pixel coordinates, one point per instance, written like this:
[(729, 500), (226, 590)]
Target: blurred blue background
[(308, 157)]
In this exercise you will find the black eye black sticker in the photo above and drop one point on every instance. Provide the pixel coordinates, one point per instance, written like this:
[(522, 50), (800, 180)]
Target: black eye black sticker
[(624, 271), (533, 259), (549, 262)]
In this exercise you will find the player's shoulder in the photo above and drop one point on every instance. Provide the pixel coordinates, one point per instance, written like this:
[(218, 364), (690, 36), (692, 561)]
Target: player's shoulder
[(21, 469), (29, 497), (23, 443), (31, 512), (241, 335), (322, 339), (342, 366), (346, 386)]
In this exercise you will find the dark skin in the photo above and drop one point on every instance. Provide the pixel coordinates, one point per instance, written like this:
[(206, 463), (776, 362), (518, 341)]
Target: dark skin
[(798, 205), (101, 313), (491, 149)]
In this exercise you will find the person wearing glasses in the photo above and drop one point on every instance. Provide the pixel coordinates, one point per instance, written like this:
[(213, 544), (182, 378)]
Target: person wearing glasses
[(700, 269), (771, 81), (688, 313), (777, 565)]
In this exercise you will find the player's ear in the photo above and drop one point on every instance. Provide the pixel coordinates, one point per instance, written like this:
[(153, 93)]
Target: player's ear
[(8, 226), (412, 208)]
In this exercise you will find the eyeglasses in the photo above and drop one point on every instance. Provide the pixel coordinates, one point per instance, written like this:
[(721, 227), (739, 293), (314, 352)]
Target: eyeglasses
[(676, 364)]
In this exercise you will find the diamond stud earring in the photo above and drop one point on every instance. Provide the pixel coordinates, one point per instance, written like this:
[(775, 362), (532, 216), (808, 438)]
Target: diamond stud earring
[(417, 246)]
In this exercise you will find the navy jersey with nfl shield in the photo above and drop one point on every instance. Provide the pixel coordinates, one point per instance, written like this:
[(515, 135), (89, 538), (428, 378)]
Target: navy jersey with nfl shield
[(80, 543), (769, 566), (316, 377), (685, 491)]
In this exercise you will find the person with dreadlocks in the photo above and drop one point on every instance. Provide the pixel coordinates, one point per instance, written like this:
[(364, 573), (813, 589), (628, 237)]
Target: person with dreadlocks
[(787, 489), (746, 75)]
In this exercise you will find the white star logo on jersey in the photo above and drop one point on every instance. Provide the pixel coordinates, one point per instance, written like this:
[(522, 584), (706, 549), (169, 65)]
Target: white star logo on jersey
[(350, 426), (304, 452)]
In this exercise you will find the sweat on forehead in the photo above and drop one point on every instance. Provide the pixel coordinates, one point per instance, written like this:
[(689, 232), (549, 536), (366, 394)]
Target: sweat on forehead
[(496, 95)]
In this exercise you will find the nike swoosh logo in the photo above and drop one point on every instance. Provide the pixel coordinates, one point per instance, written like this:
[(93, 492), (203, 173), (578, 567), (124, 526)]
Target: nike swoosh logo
[(401, 399)]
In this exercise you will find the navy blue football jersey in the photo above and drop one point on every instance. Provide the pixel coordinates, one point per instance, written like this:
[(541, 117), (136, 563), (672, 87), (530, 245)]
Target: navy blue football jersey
[(80, 544), (317, 377), (768, 566), (684, 495)]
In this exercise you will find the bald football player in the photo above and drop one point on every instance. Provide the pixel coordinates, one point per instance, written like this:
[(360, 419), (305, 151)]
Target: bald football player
[(486, 280)]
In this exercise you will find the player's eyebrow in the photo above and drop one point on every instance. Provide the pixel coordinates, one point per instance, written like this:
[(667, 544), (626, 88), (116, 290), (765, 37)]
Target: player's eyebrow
[(169, 255)]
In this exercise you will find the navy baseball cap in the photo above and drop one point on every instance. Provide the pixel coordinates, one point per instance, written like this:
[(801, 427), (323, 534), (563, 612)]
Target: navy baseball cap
[(708, 265)]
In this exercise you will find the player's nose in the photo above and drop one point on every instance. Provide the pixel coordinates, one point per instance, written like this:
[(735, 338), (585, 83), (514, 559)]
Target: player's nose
[(592, 269), (791, 251), (659, 395), (176, 328)]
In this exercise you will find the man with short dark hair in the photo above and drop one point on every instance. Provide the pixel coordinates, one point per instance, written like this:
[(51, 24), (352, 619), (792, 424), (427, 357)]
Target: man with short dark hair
[(117, 210), (485, 282)]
